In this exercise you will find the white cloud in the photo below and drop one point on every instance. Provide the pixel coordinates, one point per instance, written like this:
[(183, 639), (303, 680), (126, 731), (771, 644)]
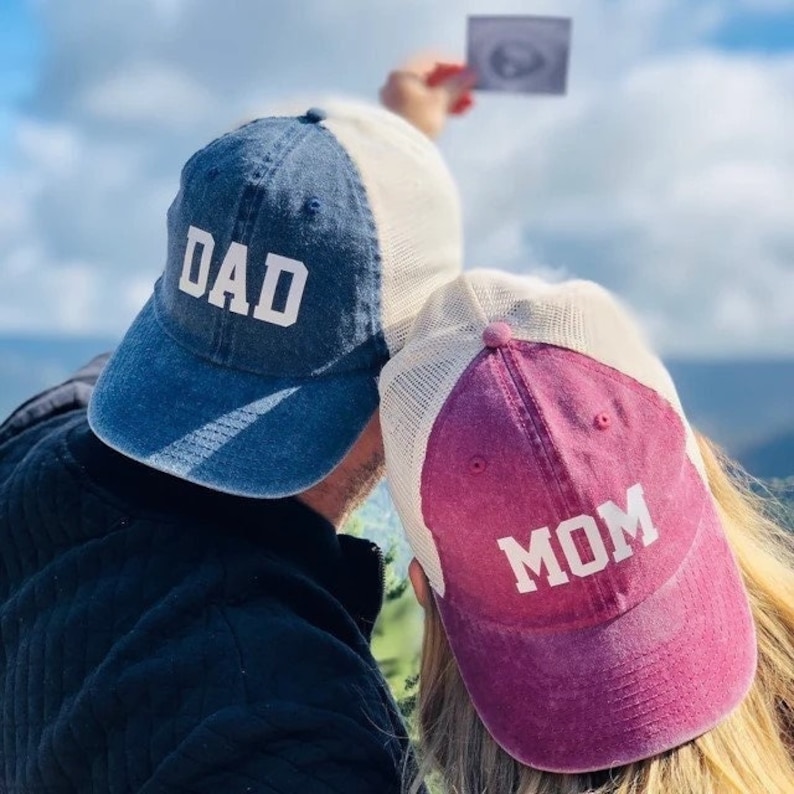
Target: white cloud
[(68, 290), (673, 186), (665, 173), (51, 150), (149, 93)]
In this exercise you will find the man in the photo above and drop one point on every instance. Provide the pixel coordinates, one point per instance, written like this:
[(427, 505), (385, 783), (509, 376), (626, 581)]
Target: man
[(171, 620)]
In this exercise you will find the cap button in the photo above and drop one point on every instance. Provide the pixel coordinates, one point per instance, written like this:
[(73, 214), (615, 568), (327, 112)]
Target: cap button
[(497, 335), (315, 115)]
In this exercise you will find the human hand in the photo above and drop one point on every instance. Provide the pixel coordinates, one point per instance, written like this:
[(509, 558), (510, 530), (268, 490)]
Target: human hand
[(426, 90)]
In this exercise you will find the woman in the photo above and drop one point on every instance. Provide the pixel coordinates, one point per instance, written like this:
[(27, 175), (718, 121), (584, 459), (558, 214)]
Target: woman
[(608, 607)]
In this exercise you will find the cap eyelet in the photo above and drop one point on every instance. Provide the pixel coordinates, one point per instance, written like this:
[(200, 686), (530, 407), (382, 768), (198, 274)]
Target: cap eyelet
[(313, 205), (603, 421), (478, 464)]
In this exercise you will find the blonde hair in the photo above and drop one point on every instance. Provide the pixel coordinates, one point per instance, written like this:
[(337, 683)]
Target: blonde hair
[(750, 752)]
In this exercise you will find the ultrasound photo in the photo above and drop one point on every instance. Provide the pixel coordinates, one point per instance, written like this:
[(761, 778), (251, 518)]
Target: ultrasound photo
[(527, 54)]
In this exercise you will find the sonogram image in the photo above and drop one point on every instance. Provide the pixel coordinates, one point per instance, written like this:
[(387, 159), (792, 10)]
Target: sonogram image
[(524, 54)]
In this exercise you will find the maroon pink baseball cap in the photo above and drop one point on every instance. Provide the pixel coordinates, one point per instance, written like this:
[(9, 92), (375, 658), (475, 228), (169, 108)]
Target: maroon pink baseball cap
[(554, 494)]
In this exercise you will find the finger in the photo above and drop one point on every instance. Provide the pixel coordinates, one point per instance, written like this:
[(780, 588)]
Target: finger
[(457, 81), (456, 78), (464, 80), (423, 63), (462, 105), (445, 73)]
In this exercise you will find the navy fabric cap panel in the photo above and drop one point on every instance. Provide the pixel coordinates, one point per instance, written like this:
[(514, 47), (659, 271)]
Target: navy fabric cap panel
[(252, 368), (281, 199), (227, 433)]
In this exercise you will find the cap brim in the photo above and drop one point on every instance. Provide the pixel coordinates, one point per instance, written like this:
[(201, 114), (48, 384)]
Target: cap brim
[(229, 430), (659, 675)]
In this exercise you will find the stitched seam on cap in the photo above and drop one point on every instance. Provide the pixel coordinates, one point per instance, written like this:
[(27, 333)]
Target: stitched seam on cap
[(288, 140), (516, 381), (571, 509)]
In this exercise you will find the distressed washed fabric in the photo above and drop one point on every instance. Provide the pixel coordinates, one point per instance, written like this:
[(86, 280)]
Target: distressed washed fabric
[(299, 251), (555, 496), (159, 637)]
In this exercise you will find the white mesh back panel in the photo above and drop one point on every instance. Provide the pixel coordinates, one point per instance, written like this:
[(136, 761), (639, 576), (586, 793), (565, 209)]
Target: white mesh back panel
[(447, 336), (415, 205)]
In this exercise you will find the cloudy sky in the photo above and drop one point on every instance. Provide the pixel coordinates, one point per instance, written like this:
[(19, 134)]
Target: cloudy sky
[(667, 173)]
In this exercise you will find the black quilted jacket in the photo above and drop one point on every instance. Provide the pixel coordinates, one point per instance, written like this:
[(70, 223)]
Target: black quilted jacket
[(159, 637)]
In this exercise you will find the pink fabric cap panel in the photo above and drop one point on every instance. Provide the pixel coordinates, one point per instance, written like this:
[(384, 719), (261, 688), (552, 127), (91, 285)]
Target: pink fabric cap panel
[(592, 602)]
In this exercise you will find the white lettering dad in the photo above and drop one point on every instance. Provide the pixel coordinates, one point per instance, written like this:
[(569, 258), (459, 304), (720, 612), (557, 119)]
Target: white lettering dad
[(542, 554), (231, 280)]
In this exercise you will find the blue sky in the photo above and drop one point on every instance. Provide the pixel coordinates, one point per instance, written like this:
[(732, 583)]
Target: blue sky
[(665, 173), (20, 50), (20, 45), (768, 32)]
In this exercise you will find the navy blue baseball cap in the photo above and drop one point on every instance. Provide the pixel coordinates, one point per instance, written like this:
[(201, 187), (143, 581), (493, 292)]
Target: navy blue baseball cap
[(300, 250)]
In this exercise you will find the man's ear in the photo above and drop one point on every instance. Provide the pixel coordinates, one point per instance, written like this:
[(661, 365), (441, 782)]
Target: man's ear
[(419, 583)]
